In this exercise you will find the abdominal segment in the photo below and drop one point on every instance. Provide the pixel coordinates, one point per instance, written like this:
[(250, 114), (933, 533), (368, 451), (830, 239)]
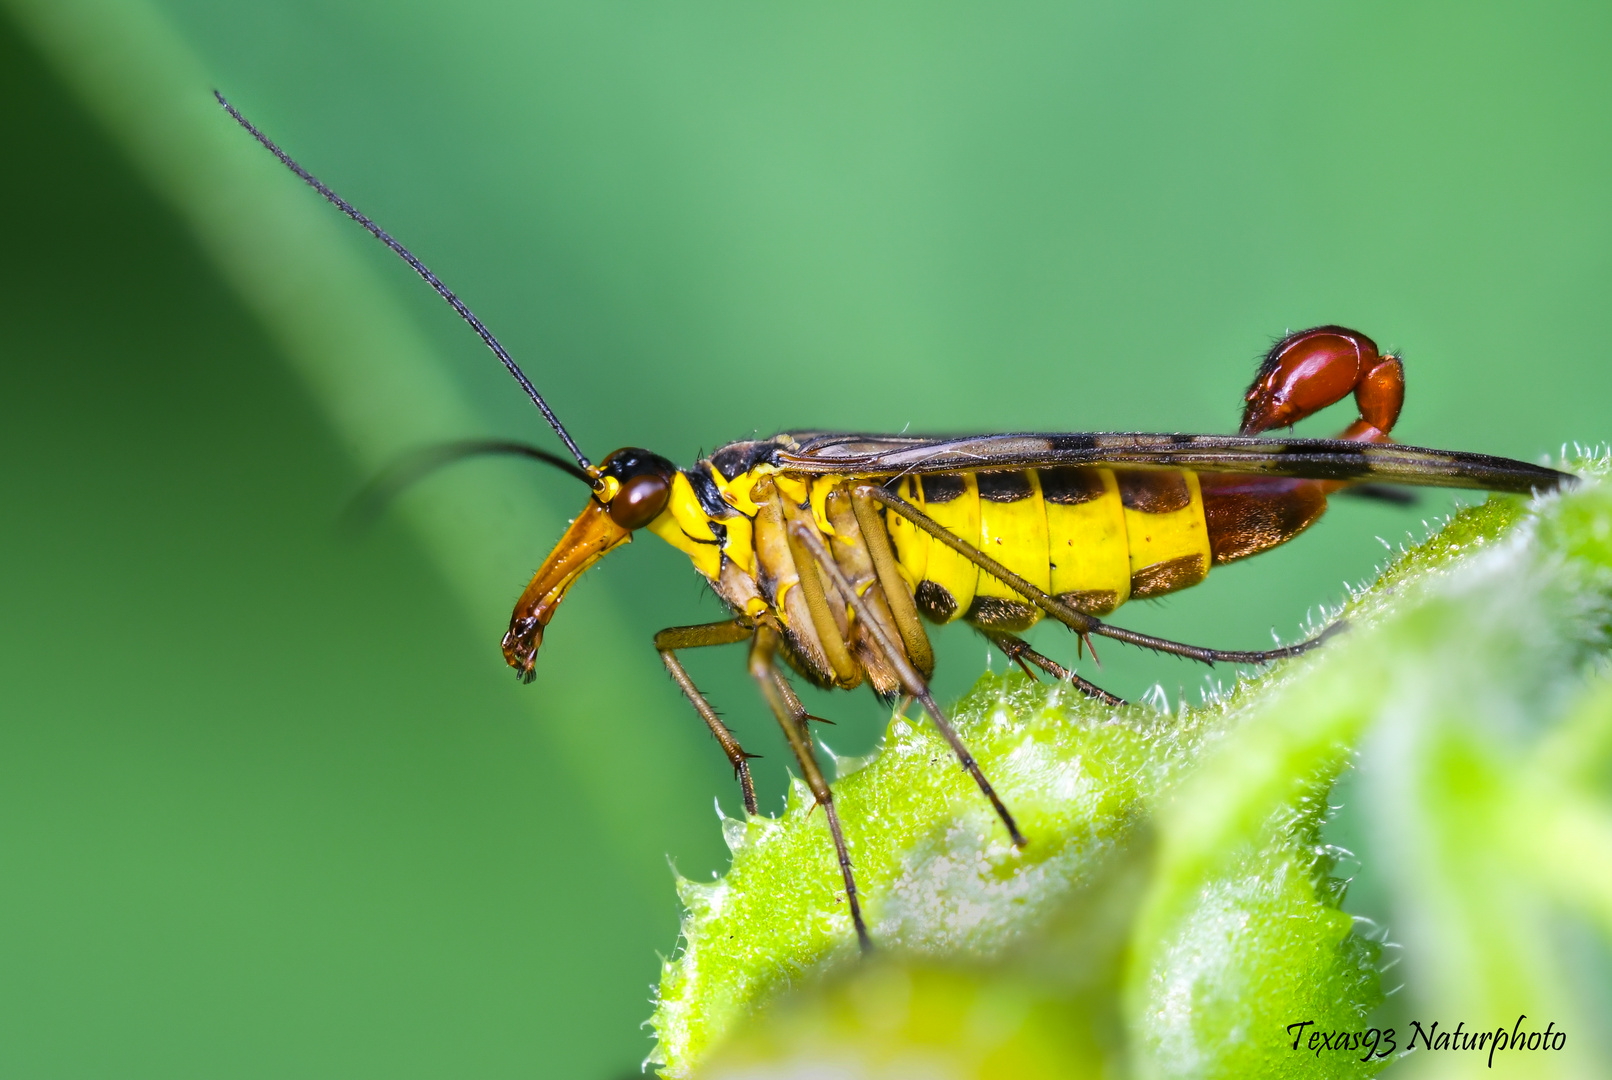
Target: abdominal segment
[(1093, 537)]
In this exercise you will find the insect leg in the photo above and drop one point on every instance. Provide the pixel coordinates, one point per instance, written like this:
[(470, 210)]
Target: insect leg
[(1018, 650), (667, 642), (911, 681), (811, 588), (896, 592), (792, 718), (1079, 621)]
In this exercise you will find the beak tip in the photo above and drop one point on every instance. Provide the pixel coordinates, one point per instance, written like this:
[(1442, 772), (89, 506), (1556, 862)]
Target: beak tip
[(520, 646)]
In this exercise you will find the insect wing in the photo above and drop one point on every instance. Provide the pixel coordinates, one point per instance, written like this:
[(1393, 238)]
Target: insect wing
[(1314, 459)]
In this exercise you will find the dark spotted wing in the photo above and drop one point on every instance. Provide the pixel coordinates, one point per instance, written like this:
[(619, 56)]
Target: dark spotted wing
[(1316, 459)]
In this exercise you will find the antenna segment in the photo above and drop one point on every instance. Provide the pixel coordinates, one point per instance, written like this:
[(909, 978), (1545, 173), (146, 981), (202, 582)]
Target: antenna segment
[(419, 268)]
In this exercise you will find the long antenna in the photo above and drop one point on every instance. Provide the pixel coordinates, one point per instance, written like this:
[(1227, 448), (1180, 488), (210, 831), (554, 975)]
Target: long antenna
[(419, 268)]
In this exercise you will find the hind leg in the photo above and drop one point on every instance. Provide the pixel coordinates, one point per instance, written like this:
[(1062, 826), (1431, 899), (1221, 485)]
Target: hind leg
[(1018, 650)]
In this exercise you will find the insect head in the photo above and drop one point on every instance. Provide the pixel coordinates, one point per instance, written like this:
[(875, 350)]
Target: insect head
[(629, 491)]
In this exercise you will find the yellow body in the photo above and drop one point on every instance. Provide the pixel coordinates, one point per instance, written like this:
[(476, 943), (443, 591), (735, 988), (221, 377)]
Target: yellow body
[(1090, 546), (1092, 537)]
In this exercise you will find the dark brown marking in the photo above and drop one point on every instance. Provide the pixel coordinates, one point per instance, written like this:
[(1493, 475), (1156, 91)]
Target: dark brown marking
[(1248, 514), (1168, 576), (935, 601), (1004, 487), (1070, 485), (1153, 492), (736, 459), (1078, 621), (1091, 601), (944, 487), (708, 493), (998, 613)]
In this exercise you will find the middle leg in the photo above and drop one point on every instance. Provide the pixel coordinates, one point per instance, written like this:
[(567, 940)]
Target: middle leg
[(911, 682)]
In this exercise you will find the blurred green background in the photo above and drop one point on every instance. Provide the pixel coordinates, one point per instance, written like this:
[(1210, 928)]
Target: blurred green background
[(270, 804)]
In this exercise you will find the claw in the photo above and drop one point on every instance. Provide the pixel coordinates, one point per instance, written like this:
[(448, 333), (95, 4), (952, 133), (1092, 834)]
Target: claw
[(1307, 371)]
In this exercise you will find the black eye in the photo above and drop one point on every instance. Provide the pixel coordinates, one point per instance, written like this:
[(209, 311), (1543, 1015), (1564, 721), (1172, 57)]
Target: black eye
[(639, 501)]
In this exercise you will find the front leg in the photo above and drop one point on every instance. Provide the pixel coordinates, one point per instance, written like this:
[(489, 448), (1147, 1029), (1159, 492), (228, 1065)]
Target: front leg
[(731, 632)]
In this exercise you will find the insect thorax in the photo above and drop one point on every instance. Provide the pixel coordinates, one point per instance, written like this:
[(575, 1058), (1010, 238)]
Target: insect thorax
[(1093, 536)]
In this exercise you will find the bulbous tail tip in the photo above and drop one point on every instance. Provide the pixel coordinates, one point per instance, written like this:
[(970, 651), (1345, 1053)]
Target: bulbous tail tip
[(1306, 371)]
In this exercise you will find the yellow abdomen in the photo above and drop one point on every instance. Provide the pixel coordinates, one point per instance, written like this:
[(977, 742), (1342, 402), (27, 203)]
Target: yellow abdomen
[(1093, 537)]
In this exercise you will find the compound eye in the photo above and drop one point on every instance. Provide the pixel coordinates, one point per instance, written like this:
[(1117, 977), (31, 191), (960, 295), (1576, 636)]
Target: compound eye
[(640, 500)]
